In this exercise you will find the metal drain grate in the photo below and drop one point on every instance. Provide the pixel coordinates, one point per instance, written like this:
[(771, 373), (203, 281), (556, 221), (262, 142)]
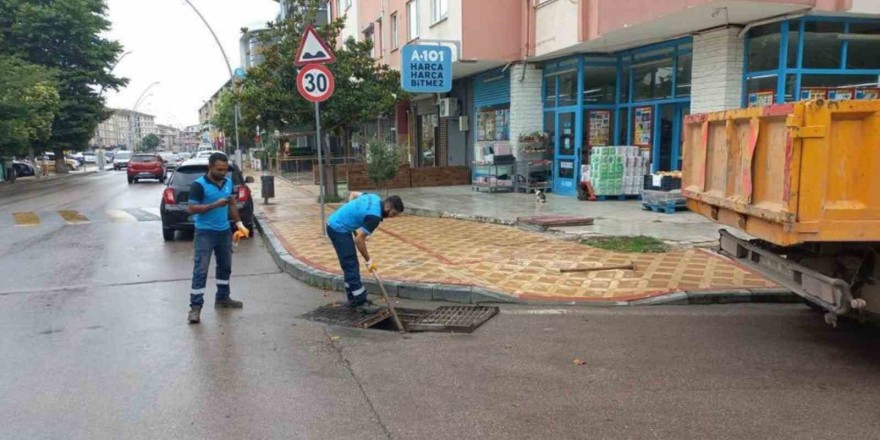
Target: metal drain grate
[(464, 319), (343, 315)]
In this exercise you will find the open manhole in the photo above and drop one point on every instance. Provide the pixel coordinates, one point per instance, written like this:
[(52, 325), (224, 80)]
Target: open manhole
[(453, 319)]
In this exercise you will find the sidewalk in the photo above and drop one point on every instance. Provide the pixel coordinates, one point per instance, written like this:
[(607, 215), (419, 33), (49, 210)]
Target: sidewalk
[(441, 258), (612, 218)]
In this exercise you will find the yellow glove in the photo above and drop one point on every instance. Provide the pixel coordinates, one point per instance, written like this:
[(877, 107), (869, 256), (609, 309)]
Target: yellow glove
[(242, 230), (371, 266)]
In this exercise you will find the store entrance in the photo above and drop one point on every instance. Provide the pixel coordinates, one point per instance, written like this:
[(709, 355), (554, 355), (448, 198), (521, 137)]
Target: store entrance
[(670, 122), (567, 149)]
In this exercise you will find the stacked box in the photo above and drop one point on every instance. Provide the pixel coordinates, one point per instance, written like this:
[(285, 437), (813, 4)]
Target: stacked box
[(615, 170)]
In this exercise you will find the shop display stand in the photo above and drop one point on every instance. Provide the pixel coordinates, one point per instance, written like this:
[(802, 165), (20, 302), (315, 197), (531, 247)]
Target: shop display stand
[(487, 176), (535, 170)]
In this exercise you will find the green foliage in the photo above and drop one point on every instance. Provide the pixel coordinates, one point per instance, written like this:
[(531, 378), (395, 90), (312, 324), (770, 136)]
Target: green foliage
[(383, 161), (640, 244), (64, 36), (150, 142), (28, 102), (269, 97)]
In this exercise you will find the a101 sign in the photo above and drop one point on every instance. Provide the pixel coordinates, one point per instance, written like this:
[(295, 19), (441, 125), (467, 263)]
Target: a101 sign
[(426, 69)]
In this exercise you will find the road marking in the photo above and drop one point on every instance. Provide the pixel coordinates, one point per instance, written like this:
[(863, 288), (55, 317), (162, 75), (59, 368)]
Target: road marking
[(26, 219), (72, 217), (142, 215), (120, 216)]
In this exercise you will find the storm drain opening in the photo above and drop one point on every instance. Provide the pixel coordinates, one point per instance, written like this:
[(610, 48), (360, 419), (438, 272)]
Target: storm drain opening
[(450, 319)]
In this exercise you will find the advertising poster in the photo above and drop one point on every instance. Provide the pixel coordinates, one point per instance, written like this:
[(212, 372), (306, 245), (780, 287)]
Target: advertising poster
[(868, 94), (813, 93), (841, 94), (760, 99), (644, 126), (600, 128)]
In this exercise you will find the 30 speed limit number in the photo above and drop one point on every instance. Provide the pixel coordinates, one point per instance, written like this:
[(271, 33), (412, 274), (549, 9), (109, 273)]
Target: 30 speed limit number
[(315, 83)]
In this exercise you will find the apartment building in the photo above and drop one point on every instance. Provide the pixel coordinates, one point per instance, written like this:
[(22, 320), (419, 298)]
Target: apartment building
[(169, 137), (123, 129), (613, 72)]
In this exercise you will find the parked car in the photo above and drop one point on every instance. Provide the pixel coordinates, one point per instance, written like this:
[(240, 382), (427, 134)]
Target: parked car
[(204, 154), (23, 169), (146, 166), (174, 207), (49, 159), (78, 157), (108, 157), (171, 160), (90, 157), (121, 159)]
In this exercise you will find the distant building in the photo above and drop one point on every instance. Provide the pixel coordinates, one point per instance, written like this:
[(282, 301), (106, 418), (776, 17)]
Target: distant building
[(250, 45), (169, 137), (191, 137), (123, 129), (210, 133)]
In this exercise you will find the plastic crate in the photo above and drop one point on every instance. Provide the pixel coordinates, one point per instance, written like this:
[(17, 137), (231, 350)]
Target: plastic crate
[(667, 183)]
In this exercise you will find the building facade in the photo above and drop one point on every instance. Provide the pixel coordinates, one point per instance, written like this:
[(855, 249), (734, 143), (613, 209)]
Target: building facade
[(169, 137), (123, 129), (591, 73)]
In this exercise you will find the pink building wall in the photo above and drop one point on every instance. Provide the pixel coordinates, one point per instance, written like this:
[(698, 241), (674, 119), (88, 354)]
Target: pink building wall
[(492, 29)]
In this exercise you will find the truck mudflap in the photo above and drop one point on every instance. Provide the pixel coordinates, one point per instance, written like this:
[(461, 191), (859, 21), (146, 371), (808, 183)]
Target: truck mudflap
[(831, 294)]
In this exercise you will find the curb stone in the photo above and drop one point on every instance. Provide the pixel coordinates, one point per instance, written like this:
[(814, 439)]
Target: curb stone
[(478, 295), (19, 184)]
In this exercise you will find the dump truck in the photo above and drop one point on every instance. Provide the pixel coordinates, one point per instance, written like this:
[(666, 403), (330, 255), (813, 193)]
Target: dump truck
[(802, 180)]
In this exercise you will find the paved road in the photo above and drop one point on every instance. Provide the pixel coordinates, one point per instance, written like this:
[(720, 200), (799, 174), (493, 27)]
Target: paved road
[(95, 345)]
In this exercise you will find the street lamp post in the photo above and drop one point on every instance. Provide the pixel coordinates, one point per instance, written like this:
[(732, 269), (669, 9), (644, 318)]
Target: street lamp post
[(231, 78), (143, 96)]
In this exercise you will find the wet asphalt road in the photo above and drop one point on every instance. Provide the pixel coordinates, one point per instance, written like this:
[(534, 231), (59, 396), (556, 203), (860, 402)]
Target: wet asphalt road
[(95, 346)]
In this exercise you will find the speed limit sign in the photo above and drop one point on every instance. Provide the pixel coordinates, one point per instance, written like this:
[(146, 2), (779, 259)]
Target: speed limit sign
[(315, 83)]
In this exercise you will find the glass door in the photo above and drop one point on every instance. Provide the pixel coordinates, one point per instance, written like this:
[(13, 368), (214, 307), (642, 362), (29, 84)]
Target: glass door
[(566, 172)]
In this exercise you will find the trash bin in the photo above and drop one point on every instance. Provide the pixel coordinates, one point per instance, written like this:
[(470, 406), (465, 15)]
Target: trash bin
[(267, 187)]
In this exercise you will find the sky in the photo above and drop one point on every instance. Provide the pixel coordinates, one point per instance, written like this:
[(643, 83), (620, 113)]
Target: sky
[(169, 44)]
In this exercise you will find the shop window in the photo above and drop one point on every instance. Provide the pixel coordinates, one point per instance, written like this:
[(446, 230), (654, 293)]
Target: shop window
[(493, 123), (839, 87), (599, 84), (761, 90), (793, 34), (568, 86), (790, 86), (683, 76), (550, 129), (550, 90), (566, 134), (654, 53), (624, 85), (764, 47), (864, 46), (598, 129), (622, 124), (822, 45), (653, 80)]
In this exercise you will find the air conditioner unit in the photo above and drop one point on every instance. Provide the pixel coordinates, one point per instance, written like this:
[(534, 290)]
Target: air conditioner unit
[(448, 107), (463, 123)]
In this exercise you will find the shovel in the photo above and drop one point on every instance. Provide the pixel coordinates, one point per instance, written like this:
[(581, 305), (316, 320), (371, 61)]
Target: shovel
[(388, 301)]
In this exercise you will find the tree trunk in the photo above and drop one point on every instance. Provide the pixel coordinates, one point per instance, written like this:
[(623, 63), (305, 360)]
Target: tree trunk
[(60, 164)]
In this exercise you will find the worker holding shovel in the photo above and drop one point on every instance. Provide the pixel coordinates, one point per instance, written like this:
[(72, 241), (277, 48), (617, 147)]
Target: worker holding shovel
[(348, 229)]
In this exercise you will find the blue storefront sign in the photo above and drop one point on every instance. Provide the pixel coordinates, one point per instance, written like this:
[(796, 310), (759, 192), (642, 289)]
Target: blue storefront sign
[(426, 69)]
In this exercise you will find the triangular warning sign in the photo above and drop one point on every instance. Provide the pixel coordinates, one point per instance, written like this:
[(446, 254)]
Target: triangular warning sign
[(313, 49)]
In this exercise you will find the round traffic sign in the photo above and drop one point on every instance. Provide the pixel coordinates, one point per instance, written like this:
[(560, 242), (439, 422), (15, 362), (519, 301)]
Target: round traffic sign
[(315, 82)]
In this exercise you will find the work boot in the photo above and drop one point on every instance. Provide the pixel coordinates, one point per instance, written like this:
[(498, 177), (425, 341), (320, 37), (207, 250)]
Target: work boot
[(228, 303), (194, 312), (368, 309)]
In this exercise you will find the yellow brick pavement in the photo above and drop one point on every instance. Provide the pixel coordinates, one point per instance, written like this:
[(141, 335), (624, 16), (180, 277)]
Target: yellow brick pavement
[(500, 258)]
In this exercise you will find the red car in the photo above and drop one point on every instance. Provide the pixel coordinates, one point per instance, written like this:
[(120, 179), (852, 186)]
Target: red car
[(146, 166)]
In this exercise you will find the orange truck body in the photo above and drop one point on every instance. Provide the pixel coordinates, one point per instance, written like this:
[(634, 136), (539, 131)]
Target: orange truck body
[(806, 172)]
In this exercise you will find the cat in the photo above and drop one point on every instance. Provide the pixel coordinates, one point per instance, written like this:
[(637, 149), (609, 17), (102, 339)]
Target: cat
[(540, 197)]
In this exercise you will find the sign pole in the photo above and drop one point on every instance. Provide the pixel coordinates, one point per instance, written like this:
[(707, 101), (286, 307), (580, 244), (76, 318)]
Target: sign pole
[(320, 167)]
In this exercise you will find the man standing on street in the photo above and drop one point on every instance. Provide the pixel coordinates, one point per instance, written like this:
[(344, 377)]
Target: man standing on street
[(348, 229), (210, 199)]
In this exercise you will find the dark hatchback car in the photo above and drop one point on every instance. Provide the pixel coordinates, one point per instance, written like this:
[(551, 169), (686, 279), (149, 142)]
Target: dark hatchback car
[(175, 200)]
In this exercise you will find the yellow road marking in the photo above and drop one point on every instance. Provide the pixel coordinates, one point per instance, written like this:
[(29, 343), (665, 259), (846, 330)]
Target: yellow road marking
[(120, 216), (26, 219), (72, 217)]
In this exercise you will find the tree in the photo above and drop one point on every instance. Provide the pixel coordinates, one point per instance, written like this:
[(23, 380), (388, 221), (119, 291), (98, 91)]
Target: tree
[(224, 120), (269, 97), (65, 36), (28, 102), (150, 142), (383, 161)]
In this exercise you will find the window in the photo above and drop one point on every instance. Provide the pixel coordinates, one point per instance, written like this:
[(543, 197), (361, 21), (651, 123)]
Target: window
[(439, 10), (864, 45), (683, 76), (599, 84), (378, 42), (568, 87), (822, 45), (653, 80), (412, 12), (394, 35), (550, 90), (368, 36), (764, 48), (340, 6)]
